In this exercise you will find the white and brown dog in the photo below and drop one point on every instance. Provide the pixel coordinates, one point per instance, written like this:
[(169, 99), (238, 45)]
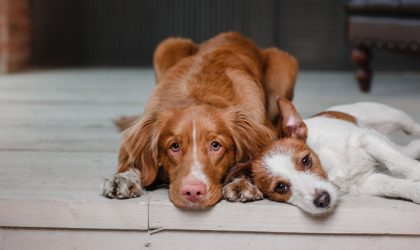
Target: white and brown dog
[(340, 151)]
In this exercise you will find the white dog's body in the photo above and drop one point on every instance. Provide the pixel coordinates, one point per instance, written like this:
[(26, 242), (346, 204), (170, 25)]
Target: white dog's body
[(356, 156), (351, 153)]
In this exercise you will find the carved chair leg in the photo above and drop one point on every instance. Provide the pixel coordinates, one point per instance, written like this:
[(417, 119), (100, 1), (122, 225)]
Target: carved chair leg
[(361, 57)]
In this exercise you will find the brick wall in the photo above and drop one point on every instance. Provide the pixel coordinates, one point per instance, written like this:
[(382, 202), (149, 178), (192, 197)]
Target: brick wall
[(14, 35)]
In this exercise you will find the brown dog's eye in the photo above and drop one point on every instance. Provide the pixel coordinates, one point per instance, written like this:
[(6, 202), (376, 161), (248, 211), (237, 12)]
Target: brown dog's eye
[(215, 146), (282, 188), (307, 161), (175, 147)]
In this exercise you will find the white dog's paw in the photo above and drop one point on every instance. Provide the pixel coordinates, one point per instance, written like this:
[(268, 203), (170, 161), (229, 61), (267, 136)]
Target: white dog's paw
[(123, 185), (241, 189)]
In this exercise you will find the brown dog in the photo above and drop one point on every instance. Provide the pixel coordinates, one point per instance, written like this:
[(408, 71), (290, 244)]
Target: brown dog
[(212, 108)]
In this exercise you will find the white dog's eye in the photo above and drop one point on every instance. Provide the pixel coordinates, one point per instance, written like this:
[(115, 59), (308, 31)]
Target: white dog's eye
[(282, 188), (307, 161)]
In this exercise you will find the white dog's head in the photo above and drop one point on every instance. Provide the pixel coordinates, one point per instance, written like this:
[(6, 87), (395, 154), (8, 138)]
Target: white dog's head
[(288, 170)]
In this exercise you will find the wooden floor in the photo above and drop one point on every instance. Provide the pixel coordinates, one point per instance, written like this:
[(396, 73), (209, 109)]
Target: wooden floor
[(58, 143)]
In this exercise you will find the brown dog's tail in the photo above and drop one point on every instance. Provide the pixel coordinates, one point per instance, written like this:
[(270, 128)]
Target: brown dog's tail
[(125, 122)]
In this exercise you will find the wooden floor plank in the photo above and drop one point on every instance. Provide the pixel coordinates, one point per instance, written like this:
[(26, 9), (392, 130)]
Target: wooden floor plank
[(54, 175), (60, 115), (354, 215), (57, 143), (268, 241), (316, 91), (62, 190), (181, 240), (39, 239), (93, 139), (72, 86)]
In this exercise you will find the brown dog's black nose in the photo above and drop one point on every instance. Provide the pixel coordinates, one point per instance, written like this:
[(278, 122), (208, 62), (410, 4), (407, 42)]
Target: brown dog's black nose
[(322, 200)]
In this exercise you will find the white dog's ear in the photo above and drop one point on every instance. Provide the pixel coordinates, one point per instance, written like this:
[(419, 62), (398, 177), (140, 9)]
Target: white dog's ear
[(290, 124)]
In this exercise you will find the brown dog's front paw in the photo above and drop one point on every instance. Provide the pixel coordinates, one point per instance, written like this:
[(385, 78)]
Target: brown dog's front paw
[(123, 185), (241, 189)]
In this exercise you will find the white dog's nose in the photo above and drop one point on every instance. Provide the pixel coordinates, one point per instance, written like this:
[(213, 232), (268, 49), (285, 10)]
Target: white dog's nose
[(322, 199)]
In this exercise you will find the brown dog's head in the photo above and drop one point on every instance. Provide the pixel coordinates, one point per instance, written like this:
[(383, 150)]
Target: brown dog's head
[(195, 146)]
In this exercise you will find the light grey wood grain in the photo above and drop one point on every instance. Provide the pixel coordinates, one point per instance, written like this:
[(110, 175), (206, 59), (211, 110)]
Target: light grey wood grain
[(54, 175), (316, 91), (57, 143), (64, 113), (113, 86), (90, 139), (269, 241), (355, 215), (46, 239), (116, 215), (62, 190)]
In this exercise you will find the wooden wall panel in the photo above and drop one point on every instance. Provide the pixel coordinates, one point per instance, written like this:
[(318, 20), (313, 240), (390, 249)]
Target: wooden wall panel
[(125, 32)]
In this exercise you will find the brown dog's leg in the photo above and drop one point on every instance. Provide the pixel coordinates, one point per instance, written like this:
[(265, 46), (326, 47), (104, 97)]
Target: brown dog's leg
[(238, 184), (137, 161), (280, 72)]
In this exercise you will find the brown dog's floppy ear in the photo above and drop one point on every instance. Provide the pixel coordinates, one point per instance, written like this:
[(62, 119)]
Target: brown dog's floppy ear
[(290, 124), (139, 149), (169, 52), (248, 135)]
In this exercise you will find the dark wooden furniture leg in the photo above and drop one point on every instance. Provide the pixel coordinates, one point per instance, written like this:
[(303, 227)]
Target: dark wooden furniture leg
[(361, 57)]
